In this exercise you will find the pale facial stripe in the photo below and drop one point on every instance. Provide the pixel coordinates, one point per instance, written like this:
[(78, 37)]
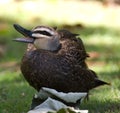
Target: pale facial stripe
[(44, 29), (38, 35)]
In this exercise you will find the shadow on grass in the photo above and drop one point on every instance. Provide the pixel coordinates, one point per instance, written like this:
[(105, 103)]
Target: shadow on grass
[(87, 31), (91, 30)]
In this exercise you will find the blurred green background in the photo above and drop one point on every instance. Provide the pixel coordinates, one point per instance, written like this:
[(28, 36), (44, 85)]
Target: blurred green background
[(97, 22)]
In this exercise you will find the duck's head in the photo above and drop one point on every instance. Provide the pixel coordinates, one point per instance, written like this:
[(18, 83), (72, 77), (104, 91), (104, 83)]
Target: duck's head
[(42, 37)]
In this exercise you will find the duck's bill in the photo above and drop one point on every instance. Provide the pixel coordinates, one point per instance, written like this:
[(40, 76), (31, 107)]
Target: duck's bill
[(25, 32), (25, 40)]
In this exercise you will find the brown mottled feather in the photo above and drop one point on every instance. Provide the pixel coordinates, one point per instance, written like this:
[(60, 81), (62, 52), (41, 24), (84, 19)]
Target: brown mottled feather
[(64, 70)]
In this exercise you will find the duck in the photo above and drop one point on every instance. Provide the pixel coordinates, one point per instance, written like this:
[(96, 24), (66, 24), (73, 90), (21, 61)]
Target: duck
[(56, 59)]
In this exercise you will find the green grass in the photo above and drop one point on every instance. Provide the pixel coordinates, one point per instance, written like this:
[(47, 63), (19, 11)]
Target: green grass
[(102, 41), (15, 94)]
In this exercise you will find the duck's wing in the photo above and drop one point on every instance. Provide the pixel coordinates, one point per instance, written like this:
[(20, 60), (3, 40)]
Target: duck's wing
[(84, 79), (73, 50), (65, 34)]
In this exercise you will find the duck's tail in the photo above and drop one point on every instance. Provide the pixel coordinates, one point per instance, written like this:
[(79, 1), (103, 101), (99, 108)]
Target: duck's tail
[(100, 82)]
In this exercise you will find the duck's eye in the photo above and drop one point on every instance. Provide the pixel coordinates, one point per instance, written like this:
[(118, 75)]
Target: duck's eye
[(43, 32)]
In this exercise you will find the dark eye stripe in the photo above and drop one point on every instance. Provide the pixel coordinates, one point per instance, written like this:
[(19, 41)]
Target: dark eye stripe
[(43, 32)]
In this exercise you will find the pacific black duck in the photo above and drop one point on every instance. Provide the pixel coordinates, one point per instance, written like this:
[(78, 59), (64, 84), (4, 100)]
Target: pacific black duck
[(56, 59)]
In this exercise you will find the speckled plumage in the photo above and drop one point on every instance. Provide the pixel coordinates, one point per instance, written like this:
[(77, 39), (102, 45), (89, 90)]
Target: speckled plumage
[(64, 69)]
